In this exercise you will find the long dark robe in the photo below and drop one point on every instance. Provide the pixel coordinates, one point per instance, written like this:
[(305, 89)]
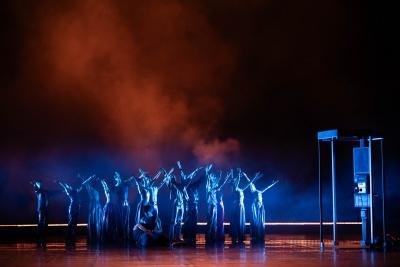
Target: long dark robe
[(176, 215), (111, 224), (122, 191), (95, 215), (73, 214), (42, 205), (211, 234), (220, 233), (238, 218), (190, 219), (257, 222)]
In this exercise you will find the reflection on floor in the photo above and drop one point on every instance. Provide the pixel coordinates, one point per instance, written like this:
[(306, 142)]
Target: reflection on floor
[(280, 250)]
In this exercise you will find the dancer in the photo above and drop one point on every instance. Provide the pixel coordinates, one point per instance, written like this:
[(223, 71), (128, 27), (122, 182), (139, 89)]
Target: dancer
[(111, 228), (153, 187), (177, 194), (142, 185), (190, 212), (122, 189), (258, 213), (220, 234), (42, 204), (145, 232), (95, 215), (213, 185), (238, 216), (73, 209)]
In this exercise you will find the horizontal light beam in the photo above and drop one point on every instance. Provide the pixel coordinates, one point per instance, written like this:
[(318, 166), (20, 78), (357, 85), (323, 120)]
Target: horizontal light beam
[(199, 223)]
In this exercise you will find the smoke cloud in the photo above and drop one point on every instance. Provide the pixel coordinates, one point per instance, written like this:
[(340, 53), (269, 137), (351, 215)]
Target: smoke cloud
[(150, 75)]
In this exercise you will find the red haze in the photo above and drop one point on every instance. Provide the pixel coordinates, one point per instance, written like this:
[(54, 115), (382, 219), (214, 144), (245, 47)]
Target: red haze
[(151, 74)]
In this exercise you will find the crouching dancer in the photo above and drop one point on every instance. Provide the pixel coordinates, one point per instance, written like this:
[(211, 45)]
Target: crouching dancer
[(146, 233)]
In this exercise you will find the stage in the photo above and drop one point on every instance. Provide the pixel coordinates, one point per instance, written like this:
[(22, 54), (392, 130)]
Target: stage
[(280, 250)]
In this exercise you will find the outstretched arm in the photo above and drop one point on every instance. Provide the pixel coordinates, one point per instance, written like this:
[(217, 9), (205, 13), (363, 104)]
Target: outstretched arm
[(183, 175), (190, 176), (271, 185), (88, 179), (252, 188), (105, 186), (208, 168), (256, 177), (222, 184), (129, 181), (64, 187), (157, 175)]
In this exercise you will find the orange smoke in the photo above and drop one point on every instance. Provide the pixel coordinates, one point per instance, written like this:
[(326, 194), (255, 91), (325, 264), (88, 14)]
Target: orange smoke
[(220, 153), (151, 74)]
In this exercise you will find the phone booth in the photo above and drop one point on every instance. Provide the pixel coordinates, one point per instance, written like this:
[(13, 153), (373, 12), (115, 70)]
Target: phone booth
[(363, 143)]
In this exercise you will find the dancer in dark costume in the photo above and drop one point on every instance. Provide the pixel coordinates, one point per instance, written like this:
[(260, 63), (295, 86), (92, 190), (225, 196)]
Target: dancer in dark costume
[(111, 228), (73, 209), (220, 235), (177, 194), (145, 232), (142, 185), (154, 188), (95, 215), (258, 213), (122, 189), (148, 190), (213, 185), (42, 204), (190, 204), (238, 216)]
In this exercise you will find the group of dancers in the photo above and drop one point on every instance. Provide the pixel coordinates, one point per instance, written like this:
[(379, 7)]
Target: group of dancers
[(114, 223)]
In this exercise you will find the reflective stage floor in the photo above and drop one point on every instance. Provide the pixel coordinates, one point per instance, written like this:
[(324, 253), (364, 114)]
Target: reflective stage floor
[(280, 250)]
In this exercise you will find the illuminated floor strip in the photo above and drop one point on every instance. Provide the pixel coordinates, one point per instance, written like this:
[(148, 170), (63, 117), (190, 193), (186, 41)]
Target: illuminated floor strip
[(199, 223)]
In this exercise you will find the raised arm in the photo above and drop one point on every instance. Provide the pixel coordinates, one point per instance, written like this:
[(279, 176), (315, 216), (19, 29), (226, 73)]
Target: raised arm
[(223, 183), (157, 175), (86, 182), (191, 175), (208, 168), (183, 175), (66, 187), (256, 177), (271, 185), (105, 186)]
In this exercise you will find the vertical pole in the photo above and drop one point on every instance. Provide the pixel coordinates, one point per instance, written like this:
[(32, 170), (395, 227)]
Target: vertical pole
[(334, 216), (321, 231), (383, 196), (371, 194)]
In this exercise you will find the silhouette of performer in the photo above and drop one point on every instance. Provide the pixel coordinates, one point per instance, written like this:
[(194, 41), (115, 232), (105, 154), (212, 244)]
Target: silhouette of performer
[(258, 213), (145, 233), (73, 209), (177, 194), (122, 189), (220, 235), (190, 204), (213, 185), (111, 228), (238, 215), (148, 190), (142, 185), (41, 209), (95, 215)]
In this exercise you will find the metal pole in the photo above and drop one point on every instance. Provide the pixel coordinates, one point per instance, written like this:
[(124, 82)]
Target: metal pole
[(371, 201), (383, 196), (321, 231), (334, 217)]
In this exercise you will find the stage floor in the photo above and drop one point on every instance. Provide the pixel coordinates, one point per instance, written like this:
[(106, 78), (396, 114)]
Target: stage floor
[(280, 250)]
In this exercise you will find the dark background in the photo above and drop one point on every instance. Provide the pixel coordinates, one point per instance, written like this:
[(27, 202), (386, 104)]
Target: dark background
[(92, 88)]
